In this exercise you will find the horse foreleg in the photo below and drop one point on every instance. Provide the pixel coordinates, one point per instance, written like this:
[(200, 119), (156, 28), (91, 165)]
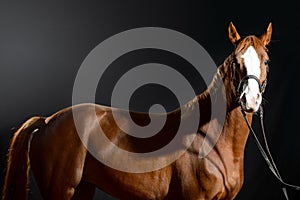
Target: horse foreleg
[(84, 190)]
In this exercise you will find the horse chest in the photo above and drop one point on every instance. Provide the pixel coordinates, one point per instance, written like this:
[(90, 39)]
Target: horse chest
[(210, 180), (226, 179)]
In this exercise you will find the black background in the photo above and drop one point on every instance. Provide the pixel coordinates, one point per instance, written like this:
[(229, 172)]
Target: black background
[(42, 45)]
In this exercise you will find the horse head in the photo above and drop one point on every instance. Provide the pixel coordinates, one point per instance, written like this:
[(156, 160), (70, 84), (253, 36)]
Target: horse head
[(249, 67)]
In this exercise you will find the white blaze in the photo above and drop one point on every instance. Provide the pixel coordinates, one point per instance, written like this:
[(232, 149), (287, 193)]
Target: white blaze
[(251, 62), (252, 93)]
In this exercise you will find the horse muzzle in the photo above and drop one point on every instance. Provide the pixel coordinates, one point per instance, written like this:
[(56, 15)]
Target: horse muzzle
[(250, 101), (250, 91)]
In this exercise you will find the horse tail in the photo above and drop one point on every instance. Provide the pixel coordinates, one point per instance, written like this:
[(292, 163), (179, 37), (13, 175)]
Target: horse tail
[(18, 162)]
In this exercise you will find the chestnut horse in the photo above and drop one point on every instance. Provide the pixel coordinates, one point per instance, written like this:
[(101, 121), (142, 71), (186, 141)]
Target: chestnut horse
[(64, 169)]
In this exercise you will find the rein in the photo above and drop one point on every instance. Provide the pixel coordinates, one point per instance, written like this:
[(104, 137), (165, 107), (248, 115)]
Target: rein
[(266, 153), (268, 156)]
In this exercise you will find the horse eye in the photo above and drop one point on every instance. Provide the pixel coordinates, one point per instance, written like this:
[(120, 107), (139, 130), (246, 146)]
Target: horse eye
[(266, 62)]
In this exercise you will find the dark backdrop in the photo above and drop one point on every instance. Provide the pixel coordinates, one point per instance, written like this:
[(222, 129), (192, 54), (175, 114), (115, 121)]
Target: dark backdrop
[(43, 44)]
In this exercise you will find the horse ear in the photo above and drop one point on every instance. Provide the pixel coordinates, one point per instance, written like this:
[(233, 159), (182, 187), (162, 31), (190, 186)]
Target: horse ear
[(233, 34), (266, 37)]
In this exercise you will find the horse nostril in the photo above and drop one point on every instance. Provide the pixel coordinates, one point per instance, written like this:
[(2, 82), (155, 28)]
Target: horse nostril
[(258, 100)]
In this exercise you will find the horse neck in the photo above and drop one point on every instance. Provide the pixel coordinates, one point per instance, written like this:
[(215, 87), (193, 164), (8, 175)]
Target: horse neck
[(235, 127), (233, 132)]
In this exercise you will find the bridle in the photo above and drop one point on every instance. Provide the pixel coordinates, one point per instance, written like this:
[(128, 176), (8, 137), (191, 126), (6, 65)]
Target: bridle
[(240, 85), (262, 86), (266, 154)]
